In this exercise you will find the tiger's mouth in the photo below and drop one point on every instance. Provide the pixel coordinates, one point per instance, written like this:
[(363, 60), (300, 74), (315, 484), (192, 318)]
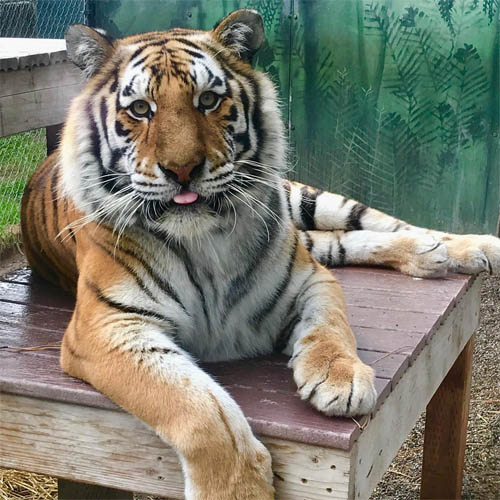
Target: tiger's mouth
[(184, 203)]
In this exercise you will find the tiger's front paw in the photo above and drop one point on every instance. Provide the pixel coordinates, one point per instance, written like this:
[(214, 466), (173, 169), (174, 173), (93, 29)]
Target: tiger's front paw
[(427, 257), (472, 254), (334, 384)]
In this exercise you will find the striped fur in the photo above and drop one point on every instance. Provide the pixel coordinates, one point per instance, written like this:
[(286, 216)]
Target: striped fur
[(161, 283)]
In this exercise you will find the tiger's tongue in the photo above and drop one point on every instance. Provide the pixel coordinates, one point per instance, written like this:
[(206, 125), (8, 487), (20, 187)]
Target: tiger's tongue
[(185, 198)]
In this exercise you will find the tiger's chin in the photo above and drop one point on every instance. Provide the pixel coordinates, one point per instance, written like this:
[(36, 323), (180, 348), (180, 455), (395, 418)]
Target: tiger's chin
[(186, 222)]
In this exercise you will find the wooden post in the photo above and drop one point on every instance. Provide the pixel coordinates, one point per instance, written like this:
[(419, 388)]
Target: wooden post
[(446, 432), (70, 490), (53, 136)]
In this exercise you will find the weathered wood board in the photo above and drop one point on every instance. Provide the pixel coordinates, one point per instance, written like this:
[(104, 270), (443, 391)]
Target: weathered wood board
[(37, 84)]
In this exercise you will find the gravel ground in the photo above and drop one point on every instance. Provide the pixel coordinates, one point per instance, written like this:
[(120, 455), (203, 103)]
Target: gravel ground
[(402, 480)]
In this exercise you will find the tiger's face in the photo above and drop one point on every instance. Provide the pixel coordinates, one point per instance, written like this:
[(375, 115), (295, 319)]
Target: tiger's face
[(174, 130)]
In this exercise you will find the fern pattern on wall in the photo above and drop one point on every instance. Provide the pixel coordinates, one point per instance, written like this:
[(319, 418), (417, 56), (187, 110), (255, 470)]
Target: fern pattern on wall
[(408, 124)]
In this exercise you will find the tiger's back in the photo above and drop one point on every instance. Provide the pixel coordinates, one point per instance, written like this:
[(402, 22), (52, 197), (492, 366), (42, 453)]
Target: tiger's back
[(46, 217)]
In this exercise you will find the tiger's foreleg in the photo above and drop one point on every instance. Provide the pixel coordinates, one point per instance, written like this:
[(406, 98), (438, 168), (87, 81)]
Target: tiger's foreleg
[(130, 356), (316, 210), (326, 367)]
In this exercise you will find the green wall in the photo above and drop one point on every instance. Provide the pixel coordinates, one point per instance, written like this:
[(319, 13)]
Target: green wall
[(395, 103)]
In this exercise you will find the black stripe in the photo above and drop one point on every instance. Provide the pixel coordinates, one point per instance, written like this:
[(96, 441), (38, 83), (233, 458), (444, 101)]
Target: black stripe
[(183, 256), (341, 260), (241, 285), (308, 287), (243, 138), (54, 194), (349, 399), (140, 50), (233, 114), (288, 191), (194, 54), (126, 308), (354, 219), (330, 261), (260, 315), (128, 268), (104, 116), (159, 281), (282, 340), (308, 207), (257, 117), (309, 241)]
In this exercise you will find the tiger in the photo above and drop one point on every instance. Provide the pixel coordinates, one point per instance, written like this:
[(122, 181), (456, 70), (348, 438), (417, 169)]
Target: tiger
[(166, 211)]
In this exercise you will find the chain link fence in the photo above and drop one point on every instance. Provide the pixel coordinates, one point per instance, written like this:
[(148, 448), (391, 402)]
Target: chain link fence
[(20, 154)]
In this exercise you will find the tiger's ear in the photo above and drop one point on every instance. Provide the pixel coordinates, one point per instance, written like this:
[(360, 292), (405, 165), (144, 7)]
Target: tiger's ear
[(242, 31), (87, 48)]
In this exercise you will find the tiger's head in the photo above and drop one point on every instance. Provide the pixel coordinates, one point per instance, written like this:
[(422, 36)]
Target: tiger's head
[(174, 130)]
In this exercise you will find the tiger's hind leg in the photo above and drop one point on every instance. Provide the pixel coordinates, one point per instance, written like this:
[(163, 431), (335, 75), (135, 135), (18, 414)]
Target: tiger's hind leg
[(375, 238)]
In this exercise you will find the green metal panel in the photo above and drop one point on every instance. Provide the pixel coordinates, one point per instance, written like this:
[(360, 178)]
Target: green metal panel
[(395, 103)]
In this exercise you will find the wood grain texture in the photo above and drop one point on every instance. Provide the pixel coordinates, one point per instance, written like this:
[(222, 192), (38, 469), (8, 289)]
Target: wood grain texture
[(36, 97), (446, 431), (71, 490), (391, 424), (114, 449)]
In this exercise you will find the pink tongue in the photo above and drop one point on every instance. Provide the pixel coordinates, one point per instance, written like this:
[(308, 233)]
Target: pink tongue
[(185, 198)]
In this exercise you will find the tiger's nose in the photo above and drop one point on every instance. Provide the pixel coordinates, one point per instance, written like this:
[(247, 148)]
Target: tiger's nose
[(182, 174)]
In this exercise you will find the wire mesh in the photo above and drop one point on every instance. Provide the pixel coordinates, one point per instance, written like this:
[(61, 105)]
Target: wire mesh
[(20, 154), (40, 18)]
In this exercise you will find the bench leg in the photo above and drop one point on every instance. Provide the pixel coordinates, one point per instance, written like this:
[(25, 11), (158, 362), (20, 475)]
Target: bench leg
[(446, 432), (70, 490)]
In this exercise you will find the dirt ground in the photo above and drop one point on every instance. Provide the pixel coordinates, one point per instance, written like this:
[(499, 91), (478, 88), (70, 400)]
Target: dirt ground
[(402, 480)]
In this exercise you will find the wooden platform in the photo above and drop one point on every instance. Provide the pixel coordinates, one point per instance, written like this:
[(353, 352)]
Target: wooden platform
[(37, 83), (410, 331)]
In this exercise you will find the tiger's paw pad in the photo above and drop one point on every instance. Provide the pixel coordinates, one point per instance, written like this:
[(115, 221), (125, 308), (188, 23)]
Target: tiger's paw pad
[(429, 258), (342, 386), (472, 254)]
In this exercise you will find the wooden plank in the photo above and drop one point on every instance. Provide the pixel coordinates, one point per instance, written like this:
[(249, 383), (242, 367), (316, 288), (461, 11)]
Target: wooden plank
[(40, 78), (385, 279), (379, 442), (396, 300), (38, 292), (380, 340), (446, 431), (36, 109), (71, 490), (18, 53), (116, 450), (22, 275)]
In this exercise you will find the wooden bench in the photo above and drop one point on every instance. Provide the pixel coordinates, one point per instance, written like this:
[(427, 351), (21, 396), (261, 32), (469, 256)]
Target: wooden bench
[(411, 331)]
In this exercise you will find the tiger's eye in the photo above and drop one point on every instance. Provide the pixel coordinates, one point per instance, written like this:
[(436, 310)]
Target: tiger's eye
[(208, 99), (140, 108)]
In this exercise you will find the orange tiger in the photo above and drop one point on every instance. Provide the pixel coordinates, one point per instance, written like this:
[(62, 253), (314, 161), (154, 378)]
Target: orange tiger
[(164, 210)]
